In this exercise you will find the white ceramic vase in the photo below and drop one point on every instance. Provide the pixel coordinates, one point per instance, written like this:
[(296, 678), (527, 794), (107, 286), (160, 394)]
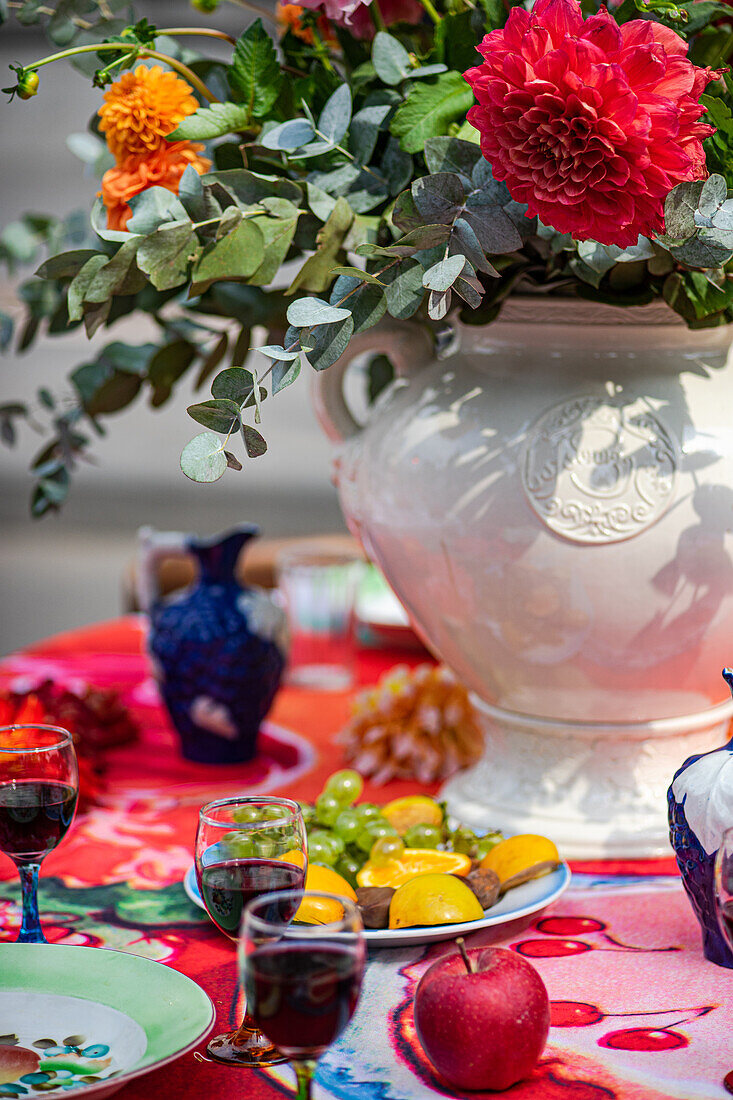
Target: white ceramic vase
[(552, 502)]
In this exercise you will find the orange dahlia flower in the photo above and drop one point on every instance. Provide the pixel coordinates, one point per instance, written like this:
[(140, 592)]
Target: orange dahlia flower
[(163, 167), (141, 108), (289, 19)]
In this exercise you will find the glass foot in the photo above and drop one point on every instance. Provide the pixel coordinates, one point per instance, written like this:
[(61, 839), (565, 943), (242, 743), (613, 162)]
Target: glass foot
[(244, 1047)]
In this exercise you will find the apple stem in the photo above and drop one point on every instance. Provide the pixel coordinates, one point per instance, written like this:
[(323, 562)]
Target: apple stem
[(461, 943)]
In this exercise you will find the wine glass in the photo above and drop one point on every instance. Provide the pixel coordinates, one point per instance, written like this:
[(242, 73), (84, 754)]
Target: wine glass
[(39, 787), (246, 847), (302, 981)]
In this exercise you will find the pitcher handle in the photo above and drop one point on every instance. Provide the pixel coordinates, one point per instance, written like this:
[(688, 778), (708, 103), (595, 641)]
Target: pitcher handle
[(409, 347), (153, 547)]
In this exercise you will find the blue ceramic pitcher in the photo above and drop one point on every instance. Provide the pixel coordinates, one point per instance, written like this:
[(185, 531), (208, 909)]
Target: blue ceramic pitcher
[(218, 649), (700, 810)]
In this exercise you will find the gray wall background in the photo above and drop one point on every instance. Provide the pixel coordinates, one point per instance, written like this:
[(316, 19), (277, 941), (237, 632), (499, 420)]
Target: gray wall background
[(65, 570)]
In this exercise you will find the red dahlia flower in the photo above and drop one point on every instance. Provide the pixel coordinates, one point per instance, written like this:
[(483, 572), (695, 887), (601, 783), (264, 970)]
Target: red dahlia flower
[(588, 122)]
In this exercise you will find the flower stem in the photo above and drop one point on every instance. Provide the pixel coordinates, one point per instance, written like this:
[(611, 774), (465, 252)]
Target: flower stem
[(377, 16), (206, 32), (431, 10), (137, 51)]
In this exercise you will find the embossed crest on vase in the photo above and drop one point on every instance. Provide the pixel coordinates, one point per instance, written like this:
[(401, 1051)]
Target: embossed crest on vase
[(600, 470)]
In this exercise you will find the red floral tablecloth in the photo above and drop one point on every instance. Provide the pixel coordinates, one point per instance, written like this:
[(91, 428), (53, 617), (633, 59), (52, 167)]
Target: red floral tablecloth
[(638, 1014)]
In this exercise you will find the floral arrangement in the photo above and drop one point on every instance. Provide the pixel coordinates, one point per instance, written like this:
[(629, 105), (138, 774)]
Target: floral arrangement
[(361, 158)]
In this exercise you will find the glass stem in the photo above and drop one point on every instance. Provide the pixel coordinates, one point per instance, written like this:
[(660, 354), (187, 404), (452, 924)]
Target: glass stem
[(304, 1076), (30, 929)]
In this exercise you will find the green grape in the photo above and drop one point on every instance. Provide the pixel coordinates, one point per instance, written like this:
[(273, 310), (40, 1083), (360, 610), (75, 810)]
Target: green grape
[(423, 836), (373, 831), (273, 813), (386, 848), (327, 809), (367, 811), (464, 840), (264, 847), (245, 815), (321, 850), (348, 868), (345, 786), (308, 812), (486, 843), (240, 845), (348, 825)]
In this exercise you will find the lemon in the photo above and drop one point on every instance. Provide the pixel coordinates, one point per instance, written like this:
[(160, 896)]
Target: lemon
[(433, 899), (414, 809), (317, 910), (518, 854), (414, 862)]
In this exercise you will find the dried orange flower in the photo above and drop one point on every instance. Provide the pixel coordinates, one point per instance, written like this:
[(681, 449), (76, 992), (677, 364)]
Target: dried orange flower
[(141, 108), (162, 168)]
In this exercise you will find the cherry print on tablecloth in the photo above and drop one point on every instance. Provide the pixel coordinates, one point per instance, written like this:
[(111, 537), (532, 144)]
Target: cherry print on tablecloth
[(575, 926), (640, 1039)]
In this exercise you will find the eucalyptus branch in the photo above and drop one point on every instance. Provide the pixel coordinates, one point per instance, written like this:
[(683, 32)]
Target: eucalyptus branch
[(351, 157)]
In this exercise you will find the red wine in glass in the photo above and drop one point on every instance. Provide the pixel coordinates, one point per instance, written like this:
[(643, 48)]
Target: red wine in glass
[(227, 887), (34, 817), (303, 994), (302, 981), (39, 783), (246, 847)]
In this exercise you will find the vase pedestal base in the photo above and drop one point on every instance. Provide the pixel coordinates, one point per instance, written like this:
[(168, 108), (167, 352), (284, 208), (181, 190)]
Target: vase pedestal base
[(598, 789)]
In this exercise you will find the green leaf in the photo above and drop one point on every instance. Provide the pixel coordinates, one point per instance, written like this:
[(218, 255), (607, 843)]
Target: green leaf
[(254, 75), (334, 119), (235, 384), (329, 342), (274, 351), (211, 122), (249, 188), (680, 208), (390, 59), (66, 264), (288, 136), (153, 207), (277, 236), (315, 273), (306, 312), (449, 154), (405, 291), (221, 415), (284, 374), (80, 283), (199, 203), (166, 367), (361, 276), (233, 462), (254, 442), (367, 303), (441, 276), (203, 459), (236, 256), (165, 255), (429, 109), (439, 198)]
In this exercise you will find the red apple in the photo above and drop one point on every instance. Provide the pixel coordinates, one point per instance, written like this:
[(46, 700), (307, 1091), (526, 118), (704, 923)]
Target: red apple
[(485, 1029)]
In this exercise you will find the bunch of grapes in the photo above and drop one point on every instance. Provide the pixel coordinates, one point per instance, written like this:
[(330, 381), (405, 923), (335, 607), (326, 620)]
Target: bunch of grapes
[(344, 833)]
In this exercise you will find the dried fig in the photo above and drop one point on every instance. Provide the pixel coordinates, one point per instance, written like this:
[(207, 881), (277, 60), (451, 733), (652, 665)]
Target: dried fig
[(373, 902), (485, 885)]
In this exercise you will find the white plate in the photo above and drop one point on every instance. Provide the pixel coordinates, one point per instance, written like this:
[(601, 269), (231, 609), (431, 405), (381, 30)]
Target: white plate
[(522, 901)]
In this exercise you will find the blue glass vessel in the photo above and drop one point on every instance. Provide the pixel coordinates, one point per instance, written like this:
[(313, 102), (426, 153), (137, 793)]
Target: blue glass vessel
[(700, 810), (218, 650)]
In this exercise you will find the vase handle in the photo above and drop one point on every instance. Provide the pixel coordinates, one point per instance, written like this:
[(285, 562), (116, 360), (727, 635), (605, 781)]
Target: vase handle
[(153, 546), (409, 347)]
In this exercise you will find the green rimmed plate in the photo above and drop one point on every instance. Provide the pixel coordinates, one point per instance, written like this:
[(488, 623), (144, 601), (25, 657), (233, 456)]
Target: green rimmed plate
[(88, 1019)]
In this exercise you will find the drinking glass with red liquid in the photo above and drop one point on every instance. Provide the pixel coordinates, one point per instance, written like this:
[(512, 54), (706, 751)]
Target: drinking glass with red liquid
[(246, 847), (302, 982), (39, 787)]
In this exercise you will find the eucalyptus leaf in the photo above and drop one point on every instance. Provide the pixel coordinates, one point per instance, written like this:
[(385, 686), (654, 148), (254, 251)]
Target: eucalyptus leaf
[(66, 264), (236, 256), (274, 351), (306, 312), (220, 415), (329, 342), (80, 284), (166, 254), (235, 384), (449, 154), (288, 136), (334, 119), (315, 274), (364, 130), (439, 198), (679, 210), (152, 208), (439, 304), (320, 202), (284, 374), (390, 59), (405, 291), (233, 462), (441, 276), (254, 442), (367, 302), (714, 193), (203, 459)]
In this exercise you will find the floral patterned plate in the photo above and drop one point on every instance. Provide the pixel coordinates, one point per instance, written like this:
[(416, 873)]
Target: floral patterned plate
[(75, 1018)]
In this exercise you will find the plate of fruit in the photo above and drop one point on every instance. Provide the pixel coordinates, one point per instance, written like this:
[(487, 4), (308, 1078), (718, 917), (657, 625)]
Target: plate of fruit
[(416, 874)]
